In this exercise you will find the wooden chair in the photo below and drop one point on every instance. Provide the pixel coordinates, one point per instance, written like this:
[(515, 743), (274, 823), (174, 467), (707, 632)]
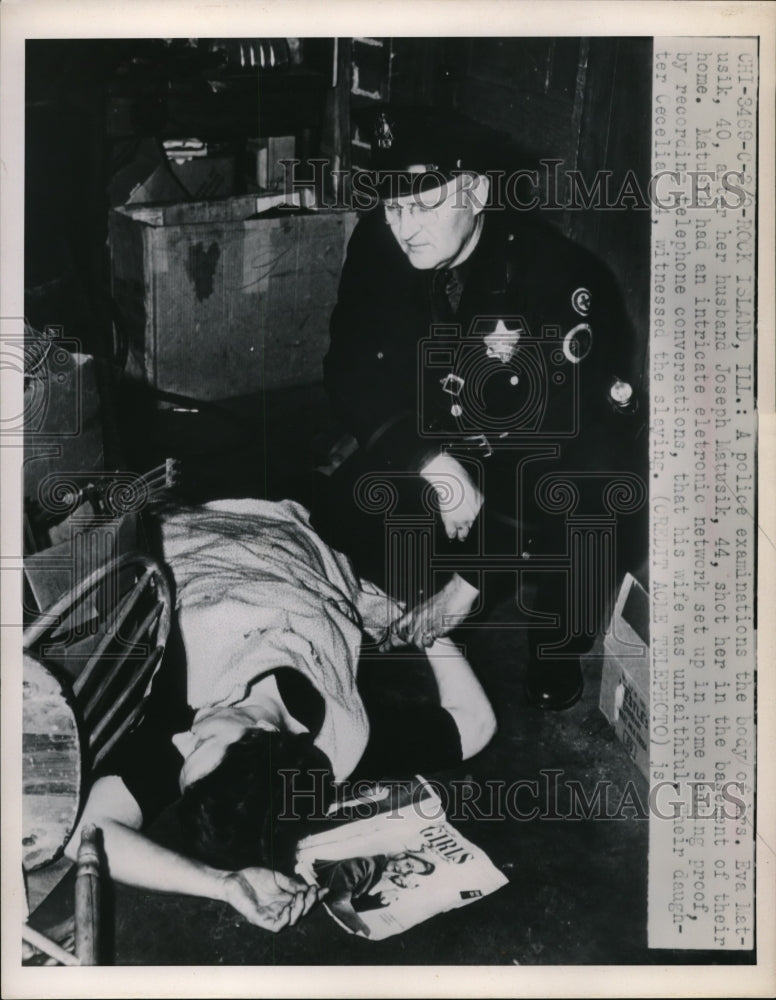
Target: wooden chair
[(89, 661), (108, 635)]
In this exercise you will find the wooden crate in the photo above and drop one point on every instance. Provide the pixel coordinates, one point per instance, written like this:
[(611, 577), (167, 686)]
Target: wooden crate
[(216, 304)]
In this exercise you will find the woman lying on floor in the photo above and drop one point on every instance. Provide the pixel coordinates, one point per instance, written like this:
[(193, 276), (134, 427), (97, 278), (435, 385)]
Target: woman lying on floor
[(271, 623)]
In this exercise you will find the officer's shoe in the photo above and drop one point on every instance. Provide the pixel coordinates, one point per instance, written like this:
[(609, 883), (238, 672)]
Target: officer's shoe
[(553, 684)]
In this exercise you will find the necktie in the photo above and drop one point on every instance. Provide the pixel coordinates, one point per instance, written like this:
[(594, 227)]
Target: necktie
[(446, 291)]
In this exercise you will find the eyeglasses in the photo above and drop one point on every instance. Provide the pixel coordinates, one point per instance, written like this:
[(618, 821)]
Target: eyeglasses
[(422, 205)]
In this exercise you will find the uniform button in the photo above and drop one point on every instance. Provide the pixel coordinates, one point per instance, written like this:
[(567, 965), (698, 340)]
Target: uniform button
[(380, 355), (621, 392)]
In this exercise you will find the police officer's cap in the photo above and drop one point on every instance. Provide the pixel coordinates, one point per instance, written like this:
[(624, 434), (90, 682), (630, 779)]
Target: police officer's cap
[(427, 140)]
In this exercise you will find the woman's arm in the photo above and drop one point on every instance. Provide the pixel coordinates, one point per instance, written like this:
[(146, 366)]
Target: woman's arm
[(265, 898), (461, 694)]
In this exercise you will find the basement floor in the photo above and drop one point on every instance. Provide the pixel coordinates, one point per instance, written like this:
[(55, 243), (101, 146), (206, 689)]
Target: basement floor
[(577, 892)]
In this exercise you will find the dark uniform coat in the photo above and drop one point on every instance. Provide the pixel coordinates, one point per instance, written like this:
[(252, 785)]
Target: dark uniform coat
[(386, 362), (409, 377)]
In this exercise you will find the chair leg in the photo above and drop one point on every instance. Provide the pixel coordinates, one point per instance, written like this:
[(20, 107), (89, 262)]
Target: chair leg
[(87, 898)]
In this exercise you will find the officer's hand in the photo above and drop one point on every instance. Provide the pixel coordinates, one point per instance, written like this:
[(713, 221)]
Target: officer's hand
[(459, 499), (435, 617)]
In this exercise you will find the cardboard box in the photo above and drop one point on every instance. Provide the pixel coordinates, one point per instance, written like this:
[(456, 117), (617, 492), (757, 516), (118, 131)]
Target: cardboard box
[(217, 302), (153, 177), (205, 176), (264, 156), (624, 697), (146, 178)]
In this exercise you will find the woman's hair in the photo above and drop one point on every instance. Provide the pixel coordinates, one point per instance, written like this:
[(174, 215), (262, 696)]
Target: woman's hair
[(428, 866), (253, 808)]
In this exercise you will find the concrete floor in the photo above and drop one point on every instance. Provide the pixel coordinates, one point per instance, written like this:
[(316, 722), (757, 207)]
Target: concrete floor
[(577, 892), (577, 887)]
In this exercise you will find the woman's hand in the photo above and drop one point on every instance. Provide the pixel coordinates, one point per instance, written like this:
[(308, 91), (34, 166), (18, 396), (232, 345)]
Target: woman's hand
[(459, 498), (428, 621), (267, 898)]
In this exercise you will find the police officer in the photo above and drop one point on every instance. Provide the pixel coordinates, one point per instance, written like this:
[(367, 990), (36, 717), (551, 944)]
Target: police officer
[(478, 352)]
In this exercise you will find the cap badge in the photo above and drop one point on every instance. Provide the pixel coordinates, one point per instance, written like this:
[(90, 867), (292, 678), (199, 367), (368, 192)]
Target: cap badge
[(383, 131)]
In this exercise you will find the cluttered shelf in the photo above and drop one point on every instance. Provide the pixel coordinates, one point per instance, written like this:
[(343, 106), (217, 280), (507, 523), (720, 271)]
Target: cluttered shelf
[(219, 86), (259, 103)]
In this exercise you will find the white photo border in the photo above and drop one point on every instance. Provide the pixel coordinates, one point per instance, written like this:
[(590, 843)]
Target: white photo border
[(23, 19)]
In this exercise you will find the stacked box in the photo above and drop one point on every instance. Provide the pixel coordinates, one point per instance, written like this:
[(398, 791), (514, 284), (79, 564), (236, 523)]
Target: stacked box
[(206, 176), (265, 156), (217, 301)]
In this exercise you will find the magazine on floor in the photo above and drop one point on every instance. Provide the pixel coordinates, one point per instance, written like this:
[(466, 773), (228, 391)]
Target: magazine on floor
[(390, 860)]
